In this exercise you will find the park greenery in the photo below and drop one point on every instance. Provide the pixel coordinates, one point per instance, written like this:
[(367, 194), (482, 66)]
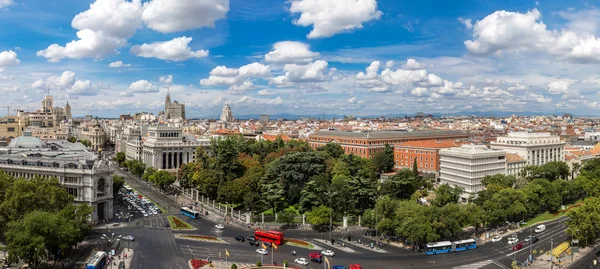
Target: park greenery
[(39, 220), (290, 178)]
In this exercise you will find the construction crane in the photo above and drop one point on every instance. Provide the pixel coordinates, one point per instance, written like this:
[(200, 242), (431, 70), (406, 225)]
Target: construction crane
[(7, 110)]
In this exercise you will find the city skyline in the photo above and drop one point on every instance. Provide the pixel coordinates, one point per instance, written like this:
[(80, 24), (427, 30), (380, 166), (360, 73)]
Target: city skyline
[(112, 57)]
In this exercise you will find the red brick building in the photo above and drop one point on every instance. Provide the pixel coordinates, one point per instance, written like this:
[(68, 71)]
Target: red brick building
[(366, 143), (427, 153)]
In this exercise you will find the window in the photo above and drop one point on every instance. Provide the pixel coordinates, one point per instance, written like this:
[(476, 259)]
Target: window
[(11, 129)]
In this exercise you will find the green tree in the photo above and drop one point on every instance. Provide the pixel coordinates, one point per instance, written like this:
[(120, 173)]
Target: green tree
[(72, 139), (162, 179), (119, 158), (584, 221), (334, 150), (415, 168), (402, 185), (383, 161), (311, 195), (118, 182), (319, 215), (550, 171), (504, 181), (207, 182), (233, 266), (446, 194), (86, 143), (575, 170), (136, 167), (286, 217)]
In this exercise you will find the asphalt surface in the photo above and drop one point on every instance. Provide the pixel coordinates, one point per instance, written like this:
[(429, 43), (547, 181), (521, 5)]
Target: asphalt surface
[(157, 248), (587, 261)]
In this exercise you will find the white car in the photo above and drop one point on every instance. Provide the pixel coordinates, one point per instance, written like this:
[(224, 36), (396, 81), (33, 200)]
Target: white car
[(302, 261), (497, 238), (513, 240), (220, 226), (145, 214), (528, 238), (327, 253), (262, 251), (129, 238)]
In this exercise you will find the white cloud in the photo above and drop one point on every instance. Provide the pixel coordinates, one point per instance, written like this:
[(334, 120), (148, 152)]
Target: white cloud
[(290, 52), (330, 17), (241, 88), (5, 3), (389, 64), (513, 32), (66, 80), (118, 64), (82, 88), (265, 92), (466, 22), (412, 64), (6, 77), (248, 101), (311, 72), (419, 92), (166, 80), (235, 78), (538, 98), (125, 94), (169, 16), (559, 87), (103, 29), (8, 58), (176, 50), (351, 100), (142, 86)]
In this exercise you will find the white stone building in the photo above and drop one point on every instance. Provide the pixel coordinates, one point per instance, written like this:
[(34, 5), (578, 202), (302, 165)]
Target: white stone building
[(467, 165), (85, 177), (227, 115), (173, 110), (535, 148), (164, 147)]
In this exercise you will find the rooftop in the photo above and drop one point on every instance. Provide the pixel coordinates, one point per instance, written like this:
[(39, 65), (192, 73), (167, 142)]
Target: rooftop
[(429, 144), (390, 134), (513, 158)]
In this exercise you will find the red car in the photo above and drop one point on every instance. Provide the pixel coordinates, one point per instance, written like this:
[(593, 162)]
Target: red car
[(355, 266), (518, 246), (315, 255)]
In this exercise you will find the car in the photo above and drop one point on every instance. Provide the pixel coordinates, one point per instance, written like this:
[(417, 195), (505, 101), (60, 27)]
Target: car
[(355, 266), (253, 243), (534, 239), (517, 247), (328, 252), (262, 251), (240, 238), (512, 236), (268, 244), (339, 267), (220, 226), (250, 238), (512, 240), (528, 238), (166, 224), (301, 261), (497, 238), (317, 260), (315, 255), (145, 214), (129, 238)]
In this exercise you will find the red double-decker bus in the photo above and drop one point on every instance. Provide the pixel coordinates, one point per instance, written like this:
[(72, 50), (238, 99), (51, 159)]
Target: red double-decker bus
[(269, 236)]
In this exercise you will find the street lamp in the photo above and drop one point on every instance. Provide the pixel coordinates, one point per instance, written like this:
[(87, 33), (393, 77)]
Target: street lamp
[(330, 194), (128, 218), (110, 240)]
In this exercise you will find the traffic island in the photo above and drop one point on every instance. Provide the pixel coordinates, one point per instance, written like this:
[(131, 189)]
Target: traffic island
[(178, 224), (299, 243), (271, 266), (199, 264), (203, 238)]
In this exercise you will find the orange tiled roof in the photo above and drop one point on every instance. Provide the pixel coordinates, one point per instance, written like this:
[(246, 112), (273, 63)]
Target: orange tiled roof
[(438, 144), (513, 157), (274, 137)]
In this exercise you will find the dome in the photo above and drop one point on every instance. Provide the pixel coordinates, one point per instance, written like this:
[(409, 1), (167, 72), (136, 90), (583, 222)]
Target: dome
[(27, 141)]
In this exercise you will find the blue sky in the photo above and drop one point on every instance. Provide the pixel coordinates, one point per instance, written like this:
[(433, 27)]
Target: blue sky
[(347, 57)]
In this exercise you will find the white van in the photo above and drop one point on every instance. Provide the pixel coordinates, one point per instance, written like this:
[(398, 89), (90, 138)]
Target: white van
[(540, 228)]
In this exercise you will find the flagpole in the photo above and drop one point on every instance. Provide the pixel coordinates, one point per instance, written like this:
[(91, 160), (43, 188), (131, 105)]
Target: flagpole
[(272, 253), (226, 252)]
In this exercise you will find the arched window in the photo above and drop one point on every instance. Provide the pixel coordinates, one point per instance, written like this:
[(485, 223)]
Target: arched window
[(101, 185)]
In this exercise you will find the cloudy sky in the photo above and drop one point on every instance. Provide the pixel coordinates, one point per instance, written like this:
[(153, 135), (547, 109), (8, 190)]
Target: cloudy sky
[(347, 57)]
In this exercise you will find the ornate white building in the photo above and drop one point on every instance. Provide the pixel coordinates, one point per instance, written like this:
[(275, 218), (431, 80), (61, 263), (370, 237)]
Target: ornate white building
[(227, 115), (535, 148), (84, 176), (164, 147)]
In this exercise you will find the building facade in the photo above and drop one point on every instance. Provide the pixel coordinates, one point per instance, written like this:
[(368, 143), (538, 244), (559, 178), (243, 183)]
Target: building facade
[(173, 110), (514, 164), (426, 153), (10, 127), (535, 148), (366, 143), (84, 176), (227, 115), (467, 165)]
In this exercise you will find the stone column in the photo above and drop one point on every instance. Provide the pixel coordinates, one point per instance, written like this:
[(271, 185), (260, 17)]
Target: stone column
[(345, 222), (303, 219)]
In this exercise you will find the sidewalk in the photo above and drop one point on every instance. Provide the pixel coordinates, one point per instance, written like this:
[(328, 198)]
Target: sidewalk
[(543, 261), (114, 262)]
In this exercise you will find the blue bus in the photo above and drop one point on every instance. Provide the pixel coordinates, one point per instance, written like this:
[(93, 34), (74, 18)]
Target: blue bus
[(97, 261), (447, 246), (438, 247), (467, 244), (189, 212)]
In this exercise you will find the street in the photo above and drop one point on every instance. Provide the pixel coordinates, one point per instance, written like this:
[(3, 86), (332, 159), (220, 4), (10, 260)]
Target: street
[(156, 246)]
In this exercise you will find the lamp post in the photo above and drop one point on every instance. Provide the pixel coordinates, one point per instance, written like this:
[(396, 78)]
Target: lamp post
[(128, 218), (551, 248), (330, 194), (109, 240)]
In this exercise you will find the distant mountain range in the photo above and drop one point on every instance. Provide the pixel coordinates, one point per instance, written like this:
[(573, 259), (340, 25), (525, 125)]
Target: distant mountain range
[(289, 116)]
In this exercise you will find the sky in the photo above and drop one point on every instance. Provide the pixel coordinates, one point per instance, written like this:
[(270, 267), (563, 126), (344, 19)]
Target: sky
[(305, 57)]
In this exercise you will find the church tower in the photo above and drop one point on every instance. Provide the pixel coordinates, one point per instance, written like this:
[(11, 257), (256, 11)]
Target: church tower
[(68, 111)]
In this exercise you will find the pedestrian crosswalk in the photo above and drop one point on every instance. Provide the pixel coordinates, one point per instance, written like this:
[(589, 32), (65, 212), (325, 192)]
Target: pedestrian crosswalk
[(474, 265), (155, 221)]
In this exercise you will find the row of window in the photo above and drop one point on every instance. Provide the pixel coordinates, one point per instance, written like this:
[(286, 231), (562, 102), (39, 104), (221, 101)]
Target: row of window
[(413, 157), (420, 165), (417, 151)]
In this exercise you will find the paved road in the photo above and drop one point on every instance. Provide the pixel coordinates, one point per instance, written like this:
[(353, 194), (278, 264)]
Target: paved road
[(159, 248), (587, 261)]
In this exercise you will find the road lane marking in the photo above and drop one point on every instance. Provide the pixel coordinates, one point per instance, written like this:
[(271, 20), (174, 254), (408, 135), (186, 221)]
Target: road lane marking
[(541, 240), (474, 265)]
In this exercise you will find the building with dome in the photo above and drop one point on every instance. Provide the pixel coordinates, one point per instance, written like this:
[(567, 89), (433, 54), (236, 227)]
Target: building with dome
[(226, 115), (81, 173)]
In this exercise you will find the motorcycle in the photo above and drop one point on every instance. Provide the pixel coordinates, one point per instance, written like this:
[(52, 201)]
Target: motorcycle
[(294, 253)]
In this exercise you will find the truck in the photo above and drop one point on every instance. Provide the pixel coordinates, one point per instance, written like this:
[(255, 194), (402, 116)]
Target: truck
[(540, 228)]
